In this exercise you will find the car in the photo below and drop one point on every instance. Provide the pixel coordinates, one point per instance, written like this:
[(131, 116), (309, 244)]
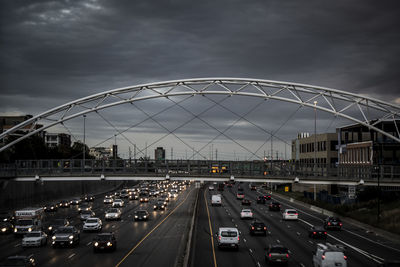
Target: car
[(159, 205), (133, 196), (65, 236), (104, 241), (118, 203), (328, 254), (267, 197), (246, 214), (50, 207), (6, 216), (246, 202), (211, 188), (274, 206), (333, 223), (258, 227), (92, 224), (64, 204), (228, 237), (117, 194), (19, 260), (290, 214), (216, 200), (317, 232), (76, 201), (276, 253), (34, 239), (108, 200), (54, 225), (86, 214), (6, 227), (260, 200), (252, 187), (84, 207), (113, 214), (165, 197), (240, 195), (144, 199), (124, 194), (141, 215), (88, 198)]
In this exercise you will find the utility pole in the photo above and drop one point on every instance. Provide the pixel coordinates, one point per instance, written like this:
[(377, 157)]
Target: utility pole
[(84, 140), (130, 155), (216, 154), (272, 153), (234, 155), (315, 146), (145, 151), (212, 151), (172, 153), (134, 152), (193, 154)]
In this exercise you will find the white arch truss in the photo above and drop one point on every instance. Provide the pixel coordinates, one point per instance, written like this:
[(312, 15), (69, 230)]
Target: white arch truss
[(352, 106)]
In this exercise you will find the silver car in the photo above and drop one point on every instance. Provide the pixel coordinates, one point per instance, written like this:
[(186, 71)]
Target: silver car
[(34, 239)]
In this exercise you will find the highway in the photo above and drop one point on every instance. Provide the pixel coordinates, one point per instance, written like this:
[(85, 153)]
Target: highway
[(159, 241), (363, 249), (162, 241)]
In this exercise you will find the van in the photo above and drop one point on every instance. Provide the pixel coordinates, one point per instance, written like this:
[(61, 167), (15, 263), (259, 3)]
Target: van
[(228, 237), (329, 255), (216, 200)]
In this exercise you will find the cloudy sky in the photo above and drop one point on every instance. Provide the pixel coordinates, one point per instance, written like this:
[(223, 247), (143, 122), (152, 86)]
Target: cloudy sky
[(52, 52)]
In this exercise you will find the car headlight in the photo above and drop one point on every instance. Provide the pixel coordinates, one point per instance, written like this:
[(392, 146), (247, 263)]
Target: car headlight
[(162, 206), (53, 237), (109, 244), (50, 228), (71, 237), (136, 216), (96, 244), (15, 230), (145, 216), (155, 207), (3, 229), (29, 229)]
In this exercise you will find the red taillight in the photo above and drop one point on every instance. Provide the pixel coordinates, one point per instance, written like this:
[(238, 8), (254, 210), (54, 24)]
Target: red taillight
[(325, 233), (219, 238), (252, 228), (340, 224), (314, 233), (323, 257), (287, 255), (269, 255), (238, 238), (345, 257), (265, 228), (329, 223)]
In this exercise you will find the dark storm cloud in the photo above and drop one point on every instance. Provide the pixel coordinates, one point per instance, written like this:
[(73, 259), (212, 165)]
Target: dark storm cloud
[(57, 51)]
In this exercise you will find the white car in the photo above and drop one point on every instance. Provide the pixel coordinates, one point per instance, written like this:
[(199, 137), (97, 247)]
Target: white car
[(210, 188), (118, 203), (34, 239), (216, 200), (228, 237), (113, 214), (108, 200), (329, 255), (246, 214), (86, 214), (92, 224), (290, 214)]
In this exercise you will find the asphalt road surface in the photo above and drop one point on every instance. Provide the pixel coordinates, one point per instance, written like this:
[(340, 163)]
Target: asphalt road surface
[(362, 249)]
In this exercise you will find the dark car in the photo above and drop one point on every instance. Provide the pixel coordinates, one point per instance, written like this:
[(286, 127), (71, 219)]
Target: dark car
[(104, 241), (246, 202), (260, 200), (20, 261), (160, 205), (6, 227), (6, 216), (84, 207), (317, 232), (274, 206), (133, 196), (89, 198), (65, 236), (333, 223), (276, 254), (253, 188), (141, 215), (257, 227), (76, 201), (57, 223), (50, 207), (65, 203), (267, 197)]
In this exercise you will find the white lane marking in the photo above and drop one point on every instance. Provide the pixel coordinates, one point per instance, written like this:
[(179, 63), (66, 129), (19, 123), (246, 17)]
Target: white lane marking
[(88, 244), (236, 225), (244, 239), (258, 264), (298, 233), (288, 226), (269, 232), (113, 226), (302, 265), (310, 242), (17, 245), (278, 241), (250, 250), (233, 220), (129, 215), (70, 256)]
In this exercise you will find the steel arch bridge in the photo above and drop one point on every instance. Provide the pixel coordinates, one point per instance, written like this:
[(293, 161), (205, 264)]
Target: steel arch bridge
[(343, 104)]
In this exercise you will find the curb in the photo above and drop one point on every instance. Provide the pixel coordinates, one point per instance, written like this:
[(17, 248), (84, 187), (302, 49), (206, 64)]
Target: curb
[(189, 242), (379, 232)]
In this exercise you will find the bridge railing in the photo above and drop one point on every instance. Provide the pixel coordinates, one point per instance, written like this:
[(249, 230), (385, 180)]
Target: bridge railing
[(91, 167)]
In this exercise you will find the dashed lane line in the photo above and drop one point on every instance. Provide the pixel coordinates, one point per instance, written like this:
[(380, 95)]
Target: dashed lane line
[(70, 256)]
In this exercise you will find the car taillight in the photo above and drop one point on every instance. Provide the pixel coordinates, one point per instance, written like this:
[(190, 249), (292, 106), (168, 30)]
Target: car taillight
[(325, 233), (323, 257), (252, 228), (238, 238), (314, 233), (340, 224), (329, 223), (287, 255), (265, 228), (269, 255), (345, 257), (219, 238)]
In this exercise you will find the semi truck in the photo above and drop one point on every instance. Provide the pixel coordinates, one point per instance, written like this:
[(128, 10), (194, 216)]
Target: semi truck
[(27, 220)]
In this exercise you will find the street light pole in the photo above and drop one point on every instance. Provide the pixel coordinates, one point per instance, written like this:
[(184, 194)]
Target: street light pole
[(315, 147), (84, 139)]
